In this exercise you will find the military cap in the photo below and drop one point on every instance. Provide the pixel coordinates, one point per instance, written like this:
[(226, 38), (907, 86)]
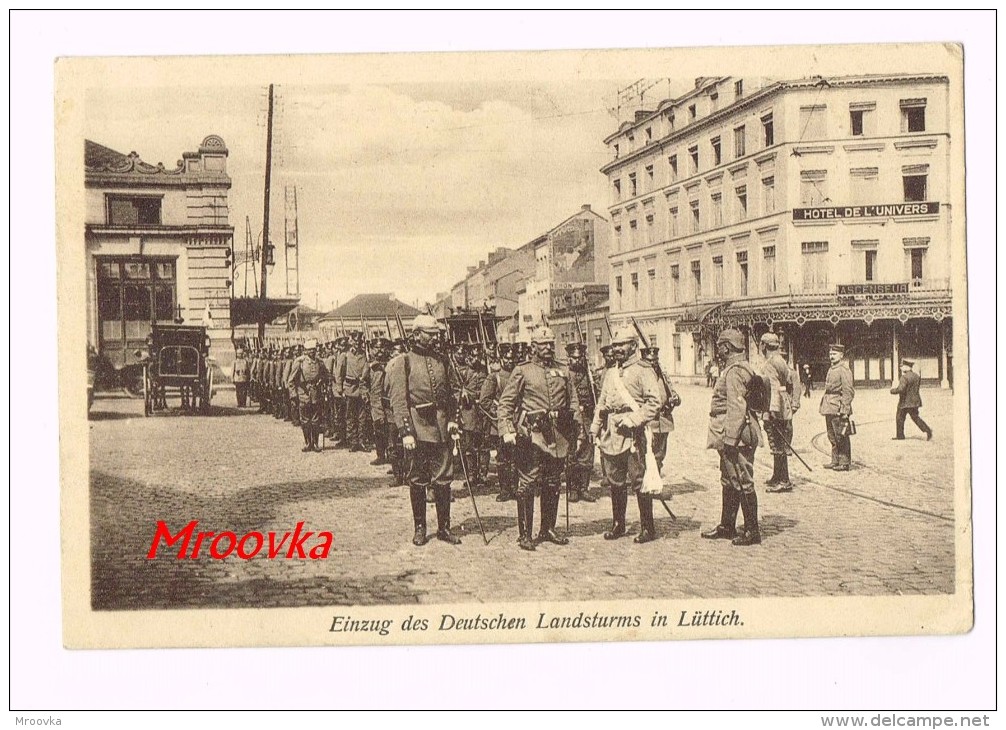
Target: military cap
[(605, 349), (906, 361), (836, 347), (543, 334), (504, 348), (733, 337), (649, 351), (576, 348), (770, 339), (623, 334), (426, 323)]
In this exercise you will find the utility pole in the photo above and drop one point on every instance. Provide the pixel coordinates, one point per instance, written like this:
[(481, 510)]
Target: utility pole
[(266, 253)]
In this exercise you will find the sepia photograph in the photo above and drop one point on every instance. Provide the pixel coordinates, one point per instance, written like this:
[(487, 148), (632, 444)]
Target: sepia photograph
[(563, 348)]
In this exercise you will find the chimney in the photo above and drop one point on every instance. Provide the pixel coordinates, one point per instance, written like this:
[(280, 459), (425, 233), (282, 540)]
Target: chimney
[(585, 207), (471, 270), (482, 264)]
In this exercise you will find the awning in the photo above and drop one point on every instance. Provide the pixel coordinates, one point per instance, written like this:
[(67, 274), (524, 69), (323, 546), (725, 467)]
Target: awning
[(252, 310), (695, 318)]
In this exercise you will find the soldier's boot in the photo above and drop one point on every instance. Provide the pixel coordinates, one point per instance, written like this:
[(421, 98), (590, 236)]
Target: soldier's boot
[(524, 520), (584, 484), (727, 529), (443, 497), (834, 458), (316, 438), (774, 479), (308, 444), (782, 466), (381, 444), (572, 485), (647, 529), (417, 495), (751, 534), (549, 515), (619, 501)]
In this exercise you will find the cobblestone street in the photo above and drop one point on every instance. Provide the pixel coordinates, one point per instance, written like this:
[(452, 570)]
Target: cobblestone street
[(884, 528)]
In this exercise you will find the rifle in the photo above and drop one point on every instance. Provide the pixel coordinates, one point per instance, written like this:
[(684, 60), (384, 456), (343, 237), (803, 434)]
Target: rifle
[(401, 327), (668, 391), (366, 337), (583, 339), (484, 336), (387, 323)]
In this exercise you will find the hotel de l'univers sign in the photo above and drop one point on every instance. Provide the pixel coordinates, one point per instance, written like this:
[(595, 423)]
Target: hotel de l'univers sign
[(884, 210)]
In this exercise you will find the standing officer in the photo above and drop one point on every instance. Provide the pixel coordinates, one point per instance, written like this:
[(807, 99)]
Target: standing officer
[(379, 352), (783, 402), (492, 389), (836, 407), (240, 377), (661, 426), (734, 433), (630, 399), (580, 463), (469, 389), (338, 394), (308, 380), (807, 380), (395, 453), (909, 401), (423, 406), (353, 389), (539, 402)]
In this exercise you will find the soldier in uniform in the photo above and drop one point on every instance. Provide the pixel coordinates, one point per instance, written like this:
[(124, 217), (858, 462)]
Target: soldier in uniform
[(354, 390), (539, 403), (580, 463), (909, 401), (278, 386), (395, 452), (836, 407), (423, 407), (240, 377), (734, 433), (308, 379), (492, 389), (375, 381), (294, 400), (661, 426), (630, 399), (607, 363), (783, 402), (338, 394), (471, 378)]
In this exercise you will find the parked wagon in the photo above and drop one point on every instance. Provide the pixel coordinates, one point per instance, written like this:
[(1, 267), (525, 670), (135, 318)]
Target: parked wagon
[(177, 365)]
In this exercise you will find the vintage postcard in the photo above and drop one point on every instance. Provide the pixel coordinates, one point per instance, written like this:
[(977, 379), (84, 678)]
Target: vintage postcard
[(513, 347)]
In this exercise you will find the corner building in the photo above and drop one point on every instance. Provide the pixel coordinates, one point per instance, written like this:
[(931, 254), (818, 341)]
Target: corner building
[(815, 208)]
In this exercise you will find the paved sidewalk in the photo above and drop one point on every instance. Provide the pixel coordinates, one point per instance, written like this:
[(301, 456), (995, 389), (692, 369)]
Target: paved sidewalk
[(884, 528)]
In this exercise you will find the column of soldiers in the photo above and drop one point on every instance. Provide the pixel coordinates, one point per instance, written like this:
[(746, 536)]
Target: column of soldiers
[(429, 407)]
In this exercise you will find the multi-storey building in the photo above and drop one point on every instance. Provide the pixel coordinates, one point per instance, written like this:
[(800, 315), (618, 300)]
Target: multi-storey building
[(158, 248), (816, 208)]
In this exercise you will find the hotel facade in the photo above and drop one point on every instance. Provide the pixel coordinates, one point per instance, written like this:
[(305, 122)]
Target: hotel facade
[(816, 208)]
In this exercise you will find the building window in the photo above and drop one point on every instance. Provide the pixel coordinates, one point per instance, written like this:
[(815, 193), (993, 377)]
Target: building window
[(742, 273), (618, 290), (676, 347), (696, 279), (648, 233), (714, 101), (815, 265), (673, 222), (913, 115), (696, 223), (863, 184), (814, 188), (717, 276), (131, 294), (814, 122), (739, 142), (633, 190), (651, 281), (616, 151), (741, 195), (915, 187), (768, 269), (649, 134), (649, 177), (870, 264), (693, 154), (672, 162), (618, 238), (675, 283), (916, 263), (617, 186), (634, 280), (692, 112), (632, 235), (768, 130), (133, 211), (768, 194), (738, 88), (717, 209), (861, 118), (717, 152)]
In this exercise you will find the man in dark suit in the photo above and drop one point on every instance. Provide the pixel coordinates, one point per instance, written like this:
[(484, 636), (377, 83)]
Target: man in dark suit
[(836, 407), (909, 400)]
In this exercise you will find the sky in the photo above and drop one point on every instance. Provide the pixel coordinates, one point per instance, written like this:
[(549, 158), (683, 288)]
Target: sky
[(400, 186)]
